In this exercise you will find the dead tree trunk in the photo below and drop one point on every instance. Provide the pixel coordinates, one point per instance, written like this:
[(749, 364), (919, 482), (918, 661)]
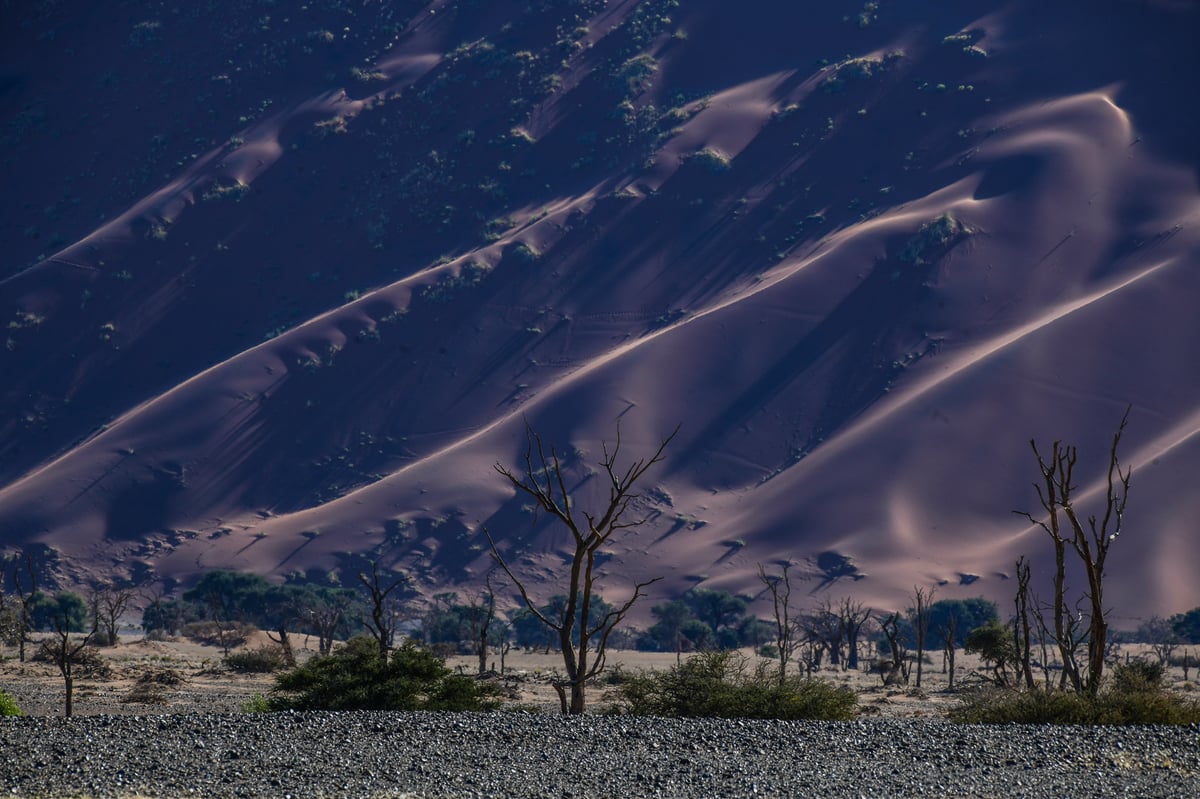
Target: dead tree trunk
[(284, 641), (382, 623), (582, 640), (897, 671), (26, 588), (787, 629), (1090, 543), (852, 615), (949, 644), (919, 618), (65, 653), (1021, 626)]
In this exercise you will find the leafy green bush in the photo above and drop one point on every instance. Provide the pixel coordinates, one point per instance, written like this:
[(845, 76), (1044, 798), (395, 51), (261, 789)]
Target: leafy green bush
[(8, 705), (719, 685), (50, 611), (355, 677), (994, 643), (1137, 676)]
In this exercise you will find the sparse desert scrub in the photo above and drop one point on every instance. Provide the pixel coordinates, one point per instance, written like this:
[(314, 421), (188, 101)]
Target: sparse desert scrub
[(723, 685), (261, 660), (1134, 696)]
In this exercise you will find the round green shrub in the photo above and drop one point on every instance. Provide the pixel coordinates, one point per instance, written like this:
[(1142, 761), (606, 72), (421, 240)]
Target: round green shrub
[(356, 677), (8, 705)]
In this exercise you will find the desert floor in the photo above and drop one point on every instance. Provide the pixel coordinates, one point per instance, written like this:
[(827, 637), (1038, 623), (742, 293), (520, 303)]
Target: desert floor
[(191, 678)]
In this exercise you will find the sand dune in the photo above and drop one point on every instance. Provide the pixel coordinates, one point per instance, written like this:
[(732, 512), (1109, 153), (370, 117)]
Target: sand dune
[(859, 256)]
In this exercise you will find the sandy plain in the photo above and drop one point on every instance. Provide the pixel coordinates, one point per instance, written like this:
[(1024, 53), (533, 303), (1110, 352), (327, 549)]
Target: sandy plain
[(206, 685)]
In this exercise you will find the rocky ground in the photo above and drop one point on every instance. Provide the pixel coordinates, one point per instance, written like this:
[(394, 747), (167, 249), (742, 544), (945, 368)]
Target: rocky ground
[(521, 754), (187, 737)]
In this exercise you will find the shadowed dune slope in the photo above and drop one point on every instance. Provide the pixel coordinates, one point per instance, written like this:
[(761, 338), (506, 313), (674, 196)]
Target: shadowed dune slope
[(280, 286)]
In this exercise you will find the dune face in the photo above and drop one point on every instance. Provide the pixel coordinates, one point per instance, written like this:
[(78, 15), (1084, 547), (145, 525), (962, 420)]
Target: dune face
[(280, 286)]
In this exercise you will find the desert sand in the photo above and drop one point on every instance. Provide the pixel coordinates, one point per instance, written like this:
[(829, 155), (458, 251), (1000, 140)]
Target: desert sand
[(279, 291), (206, 685)]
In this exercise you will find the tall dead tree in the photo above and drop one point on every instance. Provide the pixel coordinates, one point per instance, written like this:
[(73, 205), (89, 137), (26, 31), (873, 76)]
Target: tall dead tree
[(918, 617), (542, 478), (949, 634), (64, 652), (25, 586), (1089, 542), (327, 613), (480, 616), (382, 622), (787, 628), (1022, 629), (108, 603), (896, 673), (824, 626), (852, 617)]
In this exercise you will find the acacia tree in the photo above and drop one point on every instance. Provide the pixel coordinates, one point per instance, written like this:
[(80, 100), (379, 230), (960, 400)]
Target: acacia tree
[(1090, 543), (542, 478), (673, 617)]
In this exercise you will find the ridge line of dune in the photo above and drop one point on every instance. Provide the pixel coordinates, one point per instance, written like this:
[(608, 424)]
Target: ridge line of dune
[(564, 382)]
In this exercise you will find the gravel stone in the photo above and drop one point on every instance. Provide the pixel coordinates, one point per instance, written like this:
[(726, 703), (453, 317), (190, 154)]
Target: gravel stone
[(465, 755)]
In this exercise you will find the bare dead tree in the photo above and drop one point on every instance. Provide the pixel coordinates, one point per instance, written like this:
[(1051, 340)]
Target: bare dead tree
[(1044, 637), (327, 614), (10, 619), (542, 478), (382, 622), (108, 604), (852, 617), (918, 617), (283, 611), (64, 652), (502, 641), (1160, 635), (26, 588), (788, 633), (897, 672), (480, 616), (1022, 631), (809, 655), (824, 626), (1090, 543), (949, 634)]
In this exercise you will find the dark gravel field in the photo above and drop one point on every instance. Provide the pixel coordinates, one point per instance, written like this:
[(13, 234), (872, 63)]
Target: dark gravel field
[(543, 755)]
